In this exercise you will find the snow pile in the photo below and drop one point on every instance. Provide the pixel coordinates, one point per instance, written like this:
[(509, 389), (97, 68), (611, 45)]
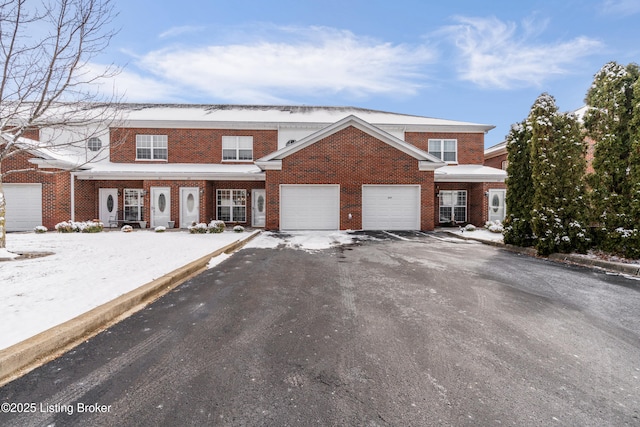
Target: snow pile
[(304, 240)]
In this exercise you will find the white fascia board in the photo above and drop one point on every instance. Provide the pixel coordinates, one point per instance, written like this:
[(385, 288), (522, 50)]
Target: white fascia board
[(424, 165), (452, 128), (468, 178), (274, 165), (53, 164), (186, 176)]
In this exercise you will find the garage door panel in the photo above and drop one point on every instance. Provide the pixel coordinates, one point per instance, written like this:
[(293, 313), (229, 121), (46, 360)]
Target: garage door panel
[(24, 206), (391, 207), (309, 207)]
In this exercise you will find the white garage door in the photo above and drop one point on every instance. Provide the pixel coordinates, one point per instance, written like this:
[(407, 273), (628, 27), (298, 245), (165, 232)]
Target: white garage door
[(309, 207), (24, 206), (391, 207)]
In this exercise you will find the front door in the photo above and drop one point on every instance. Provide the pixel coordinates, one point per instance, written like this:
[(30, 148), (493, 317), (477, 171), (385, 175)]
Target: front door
[(108, 206), (189, 206), (496, 205), (160, 206), (258, 208)]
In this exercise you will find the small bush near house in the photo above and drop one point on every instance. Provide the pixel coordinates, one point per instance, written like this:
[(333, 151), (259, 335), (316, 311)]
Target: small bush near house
[(41, 229), (238, 229), (126, 229), (200, 228), (160, 229), (216, 226), (494, 226), (79, 227), (469, 227)]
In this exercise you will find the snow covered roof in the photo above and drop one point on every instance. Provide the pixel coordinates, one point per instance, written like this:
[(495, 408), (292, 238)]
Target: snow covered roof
[(425, 160), (496, 150), (47, 157), (469, 173), (273, 117), (186, 171)]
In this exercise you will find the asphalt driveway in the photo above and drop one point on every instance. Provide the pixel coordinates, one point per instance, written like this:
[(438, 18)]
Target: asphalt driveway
[(428, 330)]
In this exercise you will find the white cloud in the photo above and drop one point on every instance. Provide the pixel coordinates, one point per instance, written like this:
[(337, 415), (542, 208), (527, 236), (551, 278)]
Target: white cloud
[(493, 54), (298, 61), (621, 7), (176, 31)]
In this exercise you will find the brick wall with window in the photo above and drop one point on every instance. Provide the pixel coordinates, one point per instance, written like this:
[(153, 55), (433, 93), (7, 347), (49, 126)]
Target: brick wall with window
[(191, 145), (350, 158), (470, 146)]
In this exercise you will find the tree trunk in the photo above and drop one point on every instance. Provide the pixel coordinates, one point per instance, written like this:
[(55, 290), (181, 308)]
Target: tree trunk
[(3, 214)]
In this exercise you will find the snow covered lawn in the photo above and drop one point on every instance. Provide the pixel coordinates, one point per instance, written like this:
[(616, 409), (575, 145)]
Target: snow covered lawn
[(85, 271), (479, 233)]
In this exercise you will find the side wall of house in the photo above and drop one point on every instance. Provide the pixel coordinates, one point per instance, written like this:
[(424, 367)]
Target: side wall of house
[(350, 158)]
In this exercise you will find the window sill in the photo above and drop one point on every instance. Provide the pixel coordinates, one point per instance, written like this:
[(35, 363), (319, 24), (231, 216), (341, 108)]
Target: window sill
[(153, 160)]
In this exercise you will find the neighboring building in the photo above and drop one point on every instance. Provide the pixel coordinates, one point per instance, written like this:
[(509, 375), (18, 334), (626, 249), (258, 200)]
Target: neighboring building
[(275, 167)]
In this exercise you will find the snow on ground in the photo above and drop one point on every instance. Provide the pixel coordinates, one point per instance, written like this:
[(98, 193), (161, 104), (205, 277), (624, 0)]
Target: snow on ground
[(305, 240), (85, 271), (479, 233)]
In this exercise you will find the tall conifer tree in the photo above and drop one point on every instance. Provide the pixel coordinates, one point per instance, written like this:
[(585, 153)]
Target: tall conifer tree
[(557, 170), (612, 122), (519, 198)]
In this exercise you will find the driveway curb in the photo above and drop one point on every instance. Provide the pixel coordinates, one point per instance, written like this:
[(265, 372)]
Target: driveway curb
[(26, 355), (576, 259)]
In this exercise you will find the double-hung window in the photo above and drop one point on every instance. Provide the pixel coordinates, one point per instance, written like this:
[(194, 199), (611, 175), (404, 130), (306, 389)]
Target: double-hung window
[(453, 206), (232, 205), (133, 204), (237, 148), (151, 147), (444, 149)]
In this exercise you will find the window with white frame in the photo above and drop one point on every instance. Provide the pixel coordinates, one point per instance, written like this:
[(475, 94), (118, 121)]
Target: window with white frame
[(133, 204), (237, 148), (444, 149), (232, 205), (151, 147), (453, 206)]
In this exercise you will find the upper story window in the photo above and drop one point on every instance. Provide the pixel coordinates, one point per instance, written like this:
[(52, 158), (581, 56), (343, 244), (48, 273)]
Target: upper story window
[(237, 148), (94, 144), (444, 149), (151, 147)]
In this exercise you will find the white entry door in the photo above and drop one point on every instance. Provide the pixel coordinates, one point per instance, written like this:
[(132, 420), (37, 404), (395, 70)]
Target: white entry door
[(258, 208), (108, 206), (160, 206), (496, 205), (189, 206)]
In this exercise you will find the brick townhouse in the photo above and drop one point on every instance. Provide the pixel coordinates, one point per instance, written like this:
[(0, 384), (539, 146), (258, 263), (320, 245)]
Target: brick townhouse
[(277, 167)]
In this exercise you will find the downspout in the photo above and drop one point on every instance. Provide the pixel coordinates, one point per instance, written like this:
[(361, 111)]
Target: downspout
[(73, 198)]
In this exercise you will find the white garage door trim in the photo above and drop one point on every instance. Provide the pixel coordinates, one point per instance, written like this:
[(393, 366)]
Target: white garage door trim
[(390, 207), (24, 206), (309, 206)]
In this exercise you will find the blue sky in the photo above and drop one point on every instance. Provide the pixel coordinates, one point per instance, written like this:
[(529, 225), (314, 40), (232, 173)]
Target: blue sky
[(483, 62)]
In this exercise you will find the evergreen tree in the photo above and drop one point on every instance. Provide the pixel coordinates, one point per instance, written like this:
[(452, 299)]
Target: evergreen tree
[(612, 121), (519, 197), (557, 151)]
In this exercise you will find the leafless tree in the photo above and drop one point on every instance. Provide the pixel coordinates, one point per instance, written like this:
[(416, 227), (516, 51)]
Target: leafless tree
[(49, 82)]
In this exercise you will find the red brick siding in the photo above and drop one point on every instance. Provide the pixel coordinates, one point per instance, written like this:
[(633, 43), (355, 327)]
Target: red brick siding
[(477, 200), (190, 145), (470, 145), (496, 162), (349, 158)]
